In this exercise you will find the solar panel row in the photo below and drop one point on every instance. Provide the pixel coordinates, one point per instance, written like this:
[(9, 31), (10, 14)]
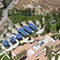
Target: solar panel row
[(23, 32), (32, 26), (29, 30), (18, 35)]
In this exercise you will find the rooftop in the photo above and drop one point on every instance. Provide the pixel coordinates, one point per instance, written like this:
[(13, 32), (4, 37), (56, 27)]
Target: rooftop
[(55, 45), (37, 49), (20, 48)]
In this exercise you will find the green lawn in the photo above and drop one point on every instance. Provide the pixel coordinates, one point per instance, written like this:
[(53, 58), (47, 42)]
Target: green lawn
[(18, 18)]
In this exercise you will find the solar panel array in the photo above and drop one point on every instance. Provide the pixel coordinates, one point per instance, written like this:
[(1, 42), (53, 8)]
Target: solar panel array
[(27, 29), (21, 32)]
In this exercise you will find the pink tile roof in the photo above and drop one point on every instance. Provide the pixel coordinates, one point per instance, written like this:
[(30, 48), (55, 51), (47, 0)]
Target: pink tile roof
[(20, 48), (40, 57), (30, 46), (30, 58), (56, 43)]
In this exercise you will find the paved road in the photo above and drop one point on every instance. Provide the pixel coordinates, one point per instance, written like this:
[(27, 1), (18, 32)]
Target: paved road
[(5, 11)]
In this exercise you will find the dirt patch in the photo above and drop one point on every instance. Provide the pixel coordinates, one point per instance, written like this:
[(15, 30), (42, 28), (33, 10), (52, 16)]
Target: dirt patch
[(45, 4), (21, 3)]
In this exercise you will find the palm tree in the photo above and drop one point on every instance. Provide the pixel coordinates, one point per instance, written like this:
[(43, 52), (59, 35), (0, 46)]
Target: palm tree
[(4, 3)]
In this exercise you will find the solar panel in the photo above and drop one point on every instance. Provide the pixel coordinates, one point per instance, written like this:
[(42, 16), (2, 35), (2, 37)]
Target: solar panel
[(5, 42), (28, 29), (18, 35), (12, 39), (22, 32), (32, 26)]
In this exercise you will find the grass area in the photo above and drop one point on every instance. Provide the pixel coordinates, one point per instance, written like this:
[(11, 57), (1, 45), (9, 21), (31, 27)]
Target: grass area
[(19, 18)]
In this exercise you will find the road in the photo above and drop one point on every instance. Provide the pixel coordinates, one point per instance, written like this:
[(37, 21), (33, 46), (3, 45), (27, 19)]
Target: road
[(5, 11)]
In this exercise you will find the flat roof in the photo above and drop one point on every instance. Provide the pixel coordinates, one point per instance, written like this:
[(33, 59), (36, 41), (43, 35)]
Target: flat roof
[(40, 57), (20, 48)]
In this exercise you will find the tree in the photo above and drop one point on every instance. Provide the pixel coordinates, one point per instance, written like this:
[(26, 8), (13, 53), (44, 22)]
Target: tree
[(10, 54), (4, 36), (58, 25), (58, 16), (47, 26), (54, 14), (33, 11), (41, 23), (4, 3), (0, 14), (27, 12), (47, 29), (48, 16), (56, 55)]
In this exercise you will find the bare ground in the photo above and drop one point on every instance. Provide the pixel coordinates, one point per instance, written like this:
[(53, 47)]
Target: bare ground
[(45, 4)]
